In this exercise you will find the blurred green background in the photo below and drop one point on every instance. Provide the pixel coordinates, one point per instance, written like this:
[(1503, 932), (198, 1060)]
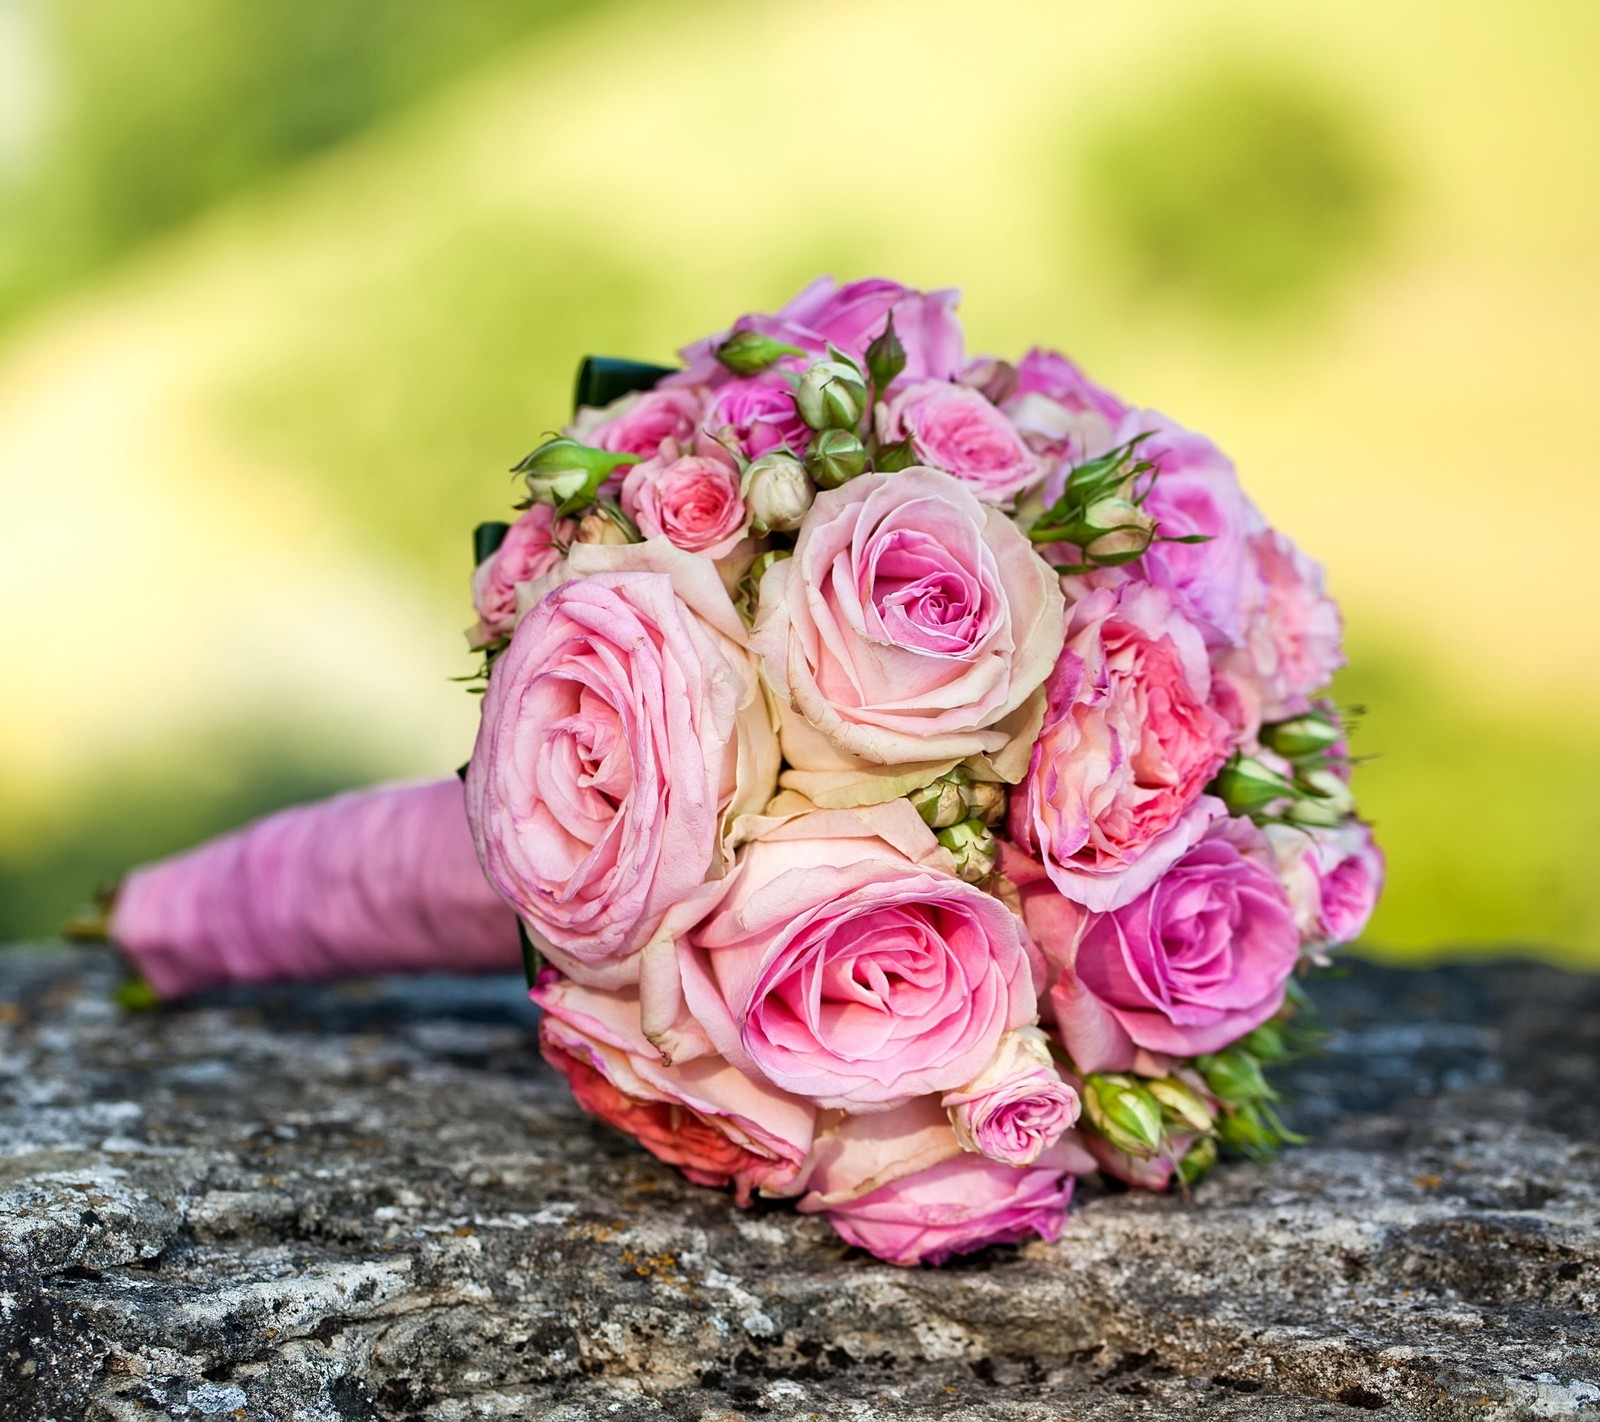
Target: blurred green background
[(286, 285)]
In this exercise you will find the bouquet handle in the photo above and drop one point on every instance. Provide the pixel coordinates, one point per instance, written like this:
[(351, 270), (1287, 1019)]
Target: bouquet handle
[(381, 880)]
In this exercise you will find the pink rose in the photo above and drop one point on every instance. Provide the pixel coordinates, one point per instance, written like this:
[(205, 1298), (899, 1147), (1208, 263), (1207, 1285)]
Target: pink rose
[(1018, 1105), (959, 1205), (1194, 492), (1129, 741), (714, 1123), (954, 428), (1333, 878), (1192, 965), (1294, 643), (529, 552), (691, 500), (910, 621), (642, 422), (1051, 374), (852, 316), (622, 722), (760, 413), (845, 963)]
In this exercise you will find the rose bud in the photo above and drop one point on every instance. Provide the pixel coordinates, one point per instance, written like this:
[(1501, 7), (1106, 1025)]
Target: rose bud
[(836, 457), (1181, 1104), (832, 395), (1116, 531), (986, 801), (604, 525), (944, 803), (973, 845), (1328, 795), (1235, 1077), (1247, 786), (1018, 1105), (1303, 737), (750, 352), (777, 492), (1124, 1113), (1198, 1160), (568, 474)]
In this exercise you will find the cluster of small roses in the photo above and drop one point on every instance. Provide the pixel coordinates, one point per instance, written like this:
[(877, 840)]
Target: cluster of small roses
[(911, 771)]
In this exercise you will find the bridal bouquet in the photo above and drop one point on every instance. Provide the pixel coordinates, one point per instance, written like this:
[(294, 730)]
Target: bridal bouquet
[(909, 774)]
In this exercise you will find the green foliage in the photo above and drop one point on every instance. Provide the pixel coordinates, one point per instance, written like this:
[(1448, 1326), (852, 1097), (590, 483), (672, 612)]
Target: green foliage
[(1241, 190), (169, 106)]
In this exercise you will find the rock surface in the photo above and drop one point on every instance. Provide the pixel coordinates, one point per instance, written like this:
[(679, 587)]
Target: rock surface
[(374, 1201)]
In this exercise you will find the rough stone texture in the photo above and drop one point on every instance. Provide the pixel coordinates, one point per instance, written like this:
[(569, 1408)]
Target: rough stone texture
[(375, 1202)]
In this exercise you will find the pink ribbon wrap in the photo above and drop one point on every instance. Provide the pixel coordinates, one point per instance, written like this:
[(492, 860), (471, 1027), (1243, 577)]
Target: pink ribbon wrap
[(375, 881)]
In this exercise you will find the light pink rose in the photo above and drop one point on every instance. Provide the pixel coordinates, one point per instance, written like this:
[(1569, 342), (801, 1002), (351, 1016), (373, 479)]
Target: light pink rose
[(622, 722), (954, 428), (1333, 878), (714, 1123), (961, 1204), (1018, 1106), (1294, 642), (1194, 492), (850, 318), (691, 500), (845, 963), (910, 621), (642, 422), (1129, 741), (760, 413), (529, 552), (1192, 965)]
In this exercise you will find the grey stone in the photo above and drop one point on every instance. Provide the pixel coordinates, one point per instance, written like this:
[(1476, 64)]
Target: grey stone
[(374, 1201)]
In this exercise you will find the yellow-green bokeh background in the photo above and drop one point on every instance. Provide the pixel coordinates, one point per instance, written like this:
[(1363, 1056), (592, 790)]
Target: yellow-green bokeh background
[(285, 287)]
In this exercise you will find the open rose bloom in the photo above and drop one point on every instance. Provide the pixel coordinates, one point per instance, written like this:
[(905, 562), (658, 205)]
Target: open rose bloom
[(907, 775)]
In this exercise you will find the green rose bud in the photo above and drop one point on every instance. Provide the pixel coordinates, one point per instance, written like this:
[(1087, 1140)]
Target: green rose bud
[(886, 357), (1181, 1105), (837, 457), (568, 474), (777, 491), (747, 597), (832, 395), (1247, 786), (1198, 1160), (986, 801), (751, 352), (1115, 531), (1124, 1113), (943, 803), (1234, 1076), (973, 846), (1303, 737)]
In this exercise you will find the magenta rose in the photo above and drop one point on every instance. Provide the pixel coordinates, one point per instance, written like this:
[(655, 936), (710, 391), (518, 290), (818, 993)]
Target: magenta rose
[(642, 422), (911, 620), (1333, 878), (530, 550), (845, 963), (691, 500), (961, 1204), (852, 316), (1191, 965), (619, 726), (1018, 1106), (1294, 643), (759, 412), (956, 429), (1129, 741), (714, 1123)]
